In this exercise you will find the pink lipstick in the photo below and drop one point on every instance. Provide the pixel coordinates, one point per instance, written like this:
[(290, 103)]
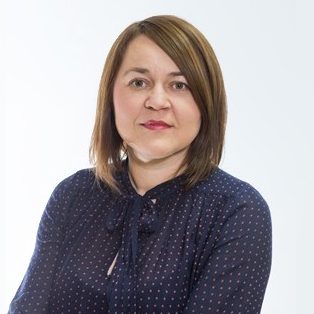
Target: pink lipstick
[(156, 125)]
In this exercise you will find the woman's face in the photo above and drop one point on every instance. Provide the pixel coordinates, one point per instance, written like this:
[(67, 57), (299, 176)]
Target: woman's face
[(155, 113)]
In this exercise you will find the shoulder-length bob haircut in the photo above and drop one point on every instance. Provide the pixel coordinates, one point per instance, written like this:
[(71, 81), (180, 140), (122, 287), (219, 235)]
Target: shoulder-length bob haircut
[(195, 58)]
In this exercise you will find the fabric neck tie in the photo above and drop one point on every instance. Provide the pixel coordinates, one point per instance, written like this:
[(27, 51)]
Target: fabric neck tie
[(136, 215)]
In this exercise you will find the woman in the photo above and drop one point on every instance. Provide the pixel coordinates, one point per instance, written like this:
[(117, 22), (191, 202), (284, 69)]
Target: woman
[(156, 226)]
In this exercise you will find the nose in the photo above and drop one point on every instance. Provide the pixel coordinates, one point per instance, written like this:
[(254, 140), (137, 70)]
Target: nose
[(157, 99)]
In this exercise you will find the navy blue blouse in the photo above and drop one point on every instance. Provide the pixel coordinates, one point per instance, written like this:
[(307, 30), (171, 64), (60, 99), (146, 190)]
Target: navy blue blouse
[(205, 250)]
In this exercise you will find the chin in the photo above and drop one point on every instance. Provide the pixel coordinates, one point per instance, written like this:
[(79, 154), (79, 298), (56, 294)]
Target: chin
[(155, 154), (151, 157)]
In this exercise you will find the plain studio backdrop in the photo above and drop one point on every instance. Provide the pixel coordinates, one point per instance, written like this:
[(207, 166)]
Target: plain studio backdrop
[(52, 56)]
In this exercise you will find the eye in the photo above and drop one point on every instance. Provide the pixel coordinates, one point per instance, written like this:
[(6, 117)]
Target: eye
[(180, 86), (137, 83)]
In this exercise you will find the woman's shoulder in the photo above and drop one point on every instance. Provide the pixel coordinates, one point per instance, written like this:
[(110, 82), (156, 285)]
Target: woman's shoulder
[(230, 187), (81, 179), (233, 202), (72, 196), (82, 183)]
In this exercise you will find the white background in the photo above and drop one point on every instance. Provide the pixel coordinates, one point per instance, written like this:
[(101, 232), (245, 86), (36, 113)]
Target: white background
[(52, 55)]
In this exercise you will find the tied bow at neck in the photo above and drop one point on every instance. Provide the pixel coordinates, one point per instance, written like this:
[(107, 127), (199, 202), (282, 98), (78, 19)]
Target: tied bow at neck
[(134, 214)]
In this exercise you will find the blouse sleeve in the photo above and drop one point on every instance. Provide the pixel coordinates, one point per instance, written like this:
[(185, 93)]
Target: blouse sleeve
[(236, 271), (33, 294)]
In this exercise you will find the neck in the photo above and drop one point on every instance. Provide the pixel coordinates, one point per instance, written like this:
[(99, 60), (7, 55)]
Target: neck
[(145, 175)]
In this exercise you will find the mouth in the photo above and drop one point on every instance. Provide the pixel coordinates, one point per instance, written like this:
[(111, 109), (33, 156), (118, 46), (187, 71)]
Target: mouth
[(156, 125)]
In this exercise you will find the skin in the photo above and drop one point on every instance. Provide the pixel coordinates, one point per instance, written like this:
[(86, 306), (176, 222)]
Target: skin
[(149, 86)]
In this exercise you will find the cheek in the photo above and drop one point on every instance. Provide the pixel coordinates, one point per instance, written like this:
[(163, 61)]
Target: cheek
[(191, 117), (126, 108), (121, 104), (195, 114)]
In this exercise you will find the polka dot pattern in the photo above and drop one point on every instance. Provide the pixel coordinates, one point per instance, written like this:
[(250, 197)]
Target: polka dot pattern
[(205, 250)]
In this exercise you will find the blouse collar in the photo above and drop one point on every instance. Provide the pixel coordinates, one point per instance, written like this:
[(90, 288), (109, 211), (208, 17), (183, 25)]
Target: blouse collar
[(158, 192)]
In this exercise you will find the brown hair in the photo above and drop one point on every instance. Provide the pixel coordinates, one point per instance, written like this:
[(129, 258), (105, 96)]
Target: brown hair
[(195, 58)]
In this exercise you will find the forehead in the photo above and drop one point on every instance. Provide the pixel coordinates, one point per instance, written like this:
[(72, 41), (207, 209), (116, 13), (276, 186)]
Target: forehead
[(144, 52)]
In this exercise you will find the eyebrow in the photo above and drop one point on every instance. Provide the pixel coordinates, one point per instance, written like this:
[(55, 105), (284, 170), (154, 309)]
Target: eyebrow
[(144, 71)]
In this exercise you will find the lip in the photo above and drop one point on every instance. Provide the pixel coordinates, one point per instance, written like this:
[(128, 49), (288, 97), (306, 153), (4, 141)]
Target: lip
[(156, 125)]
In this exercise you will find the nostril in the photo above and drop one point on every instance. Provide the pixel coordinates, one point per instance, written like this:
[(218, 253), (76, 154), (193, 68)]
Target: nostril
[(157, 103)]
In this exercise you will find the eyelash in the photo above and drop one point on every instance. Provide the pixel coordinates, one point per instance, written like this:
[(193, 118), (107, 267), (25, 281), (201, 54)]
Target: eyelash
[(185, 86), (133, 82)]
